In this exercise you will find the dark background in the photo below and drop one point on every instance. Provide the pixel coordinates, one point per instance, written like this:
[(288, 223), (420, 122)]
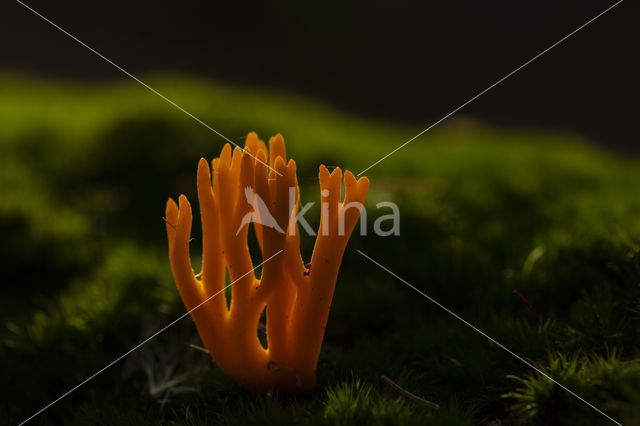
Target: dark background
[(408, 61)]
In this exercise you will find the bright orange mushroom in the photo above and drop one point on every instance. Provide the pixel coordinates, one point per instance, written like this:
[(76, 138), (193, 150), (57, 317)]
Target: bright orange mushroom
[(297, 299)]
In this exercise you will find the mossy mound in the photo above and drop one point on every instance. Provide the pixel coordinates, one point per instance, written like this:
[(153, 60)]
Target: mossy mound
[(85, 172)]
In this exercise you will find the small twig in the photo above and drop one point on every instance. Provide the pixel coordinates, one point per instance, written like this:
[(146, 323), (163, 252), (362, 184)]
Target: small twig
[(406, 394), (528, 305), (168, 223), (199, 348)]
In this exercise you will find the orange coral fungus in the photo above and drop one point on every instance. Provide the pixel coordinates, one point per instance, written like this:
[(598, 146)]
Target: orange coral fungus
[(297, 298)]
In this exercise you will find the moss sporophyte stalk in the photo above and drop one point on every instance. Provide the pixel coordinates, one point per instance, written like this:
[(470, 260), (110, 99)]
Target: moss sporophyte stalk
[(297, 298)]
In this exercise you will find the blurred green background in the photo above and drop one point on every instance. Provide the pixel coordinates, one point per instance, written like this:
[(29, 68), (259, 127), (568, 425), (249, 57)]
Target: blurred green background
[(405, 60), (85, 171)]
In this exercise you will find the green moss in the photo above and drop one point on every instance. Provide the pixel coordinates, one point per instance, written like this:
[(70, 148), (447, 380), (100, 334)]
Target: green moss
[(86, 170), (356, 403), (614, 384)]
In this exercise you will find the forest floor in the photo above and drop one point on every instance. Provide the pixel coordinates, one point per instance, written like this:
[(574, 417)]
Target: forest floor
[(85, 172)]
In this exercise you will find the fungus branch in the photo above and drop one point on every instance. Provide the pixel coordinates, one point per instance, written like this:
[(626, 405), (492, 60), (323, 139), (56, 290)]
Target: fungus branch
[(297, 299)]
